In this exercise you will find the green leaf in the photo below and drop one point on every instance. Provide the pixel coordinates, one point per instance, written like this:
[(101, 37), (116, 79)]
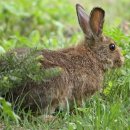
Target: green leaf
[(2, 50), (7, 110)]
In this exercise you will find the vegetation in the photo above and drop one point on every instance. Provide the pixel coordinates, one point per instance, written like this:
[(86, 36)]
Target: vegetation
[(53, 24)]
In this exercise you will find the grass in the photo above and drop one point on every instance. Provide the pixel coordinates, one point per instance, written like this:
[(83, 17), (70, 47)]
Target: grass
[(53, 24)]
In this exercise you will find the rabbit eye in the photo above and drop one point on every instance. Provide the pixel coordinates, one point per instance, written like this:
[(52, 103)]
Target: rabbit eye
[(112, 47)]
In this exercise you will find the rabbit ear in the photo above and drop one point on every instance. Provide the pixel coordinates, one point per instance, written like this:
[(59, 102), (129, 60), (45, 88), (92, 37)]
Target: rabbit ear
[(96, 20), (83, 19)]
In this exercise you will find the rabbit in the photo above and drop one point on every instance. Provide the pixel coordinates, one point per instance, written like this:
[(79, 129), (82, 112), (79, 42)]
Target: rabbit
[(82, 67)]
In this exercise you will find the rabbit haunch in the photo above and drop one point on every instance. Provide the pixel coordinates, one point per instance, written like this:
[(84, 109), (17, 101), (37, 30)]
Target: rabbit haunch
[(82, 66)]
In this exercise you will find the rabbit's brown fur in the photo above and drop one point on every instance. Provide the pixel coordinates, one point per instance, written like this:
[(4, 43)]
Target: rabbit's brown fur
[(82, 66)]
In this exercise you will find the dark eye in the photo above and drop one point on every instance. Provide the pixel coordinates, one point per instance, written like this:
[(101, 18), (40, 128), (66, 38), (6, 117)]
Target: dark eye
[(112, 47)]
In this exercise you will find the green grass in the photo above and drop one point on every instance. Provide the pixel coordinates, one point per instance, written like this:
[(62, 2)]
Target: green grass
[(53, 24)]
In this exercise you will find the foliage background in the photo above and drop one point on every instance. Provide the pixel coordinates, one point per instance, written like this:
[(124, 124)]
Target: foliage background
[(53, 24)]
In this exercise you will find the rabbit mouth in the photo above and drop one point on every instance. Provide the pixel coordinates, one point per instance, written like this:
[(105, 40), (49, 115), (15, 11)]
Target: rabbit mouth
[(113, 64), (119, 62)]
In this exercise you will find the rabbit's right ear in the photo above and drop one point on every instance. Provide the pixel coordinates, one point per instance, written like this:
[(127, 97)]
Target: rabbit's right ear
[(96, 20), (83, 19)]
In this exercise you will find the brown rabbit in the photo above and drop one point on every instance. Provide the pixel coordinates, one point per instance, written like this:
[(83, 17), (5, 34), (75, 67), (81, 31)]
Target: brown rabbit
[(82, 66)]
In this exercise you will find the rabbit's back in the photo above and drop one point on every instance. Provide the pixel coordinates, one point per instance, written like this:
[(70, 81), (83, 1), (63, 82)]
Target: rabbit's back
[(51, 91)]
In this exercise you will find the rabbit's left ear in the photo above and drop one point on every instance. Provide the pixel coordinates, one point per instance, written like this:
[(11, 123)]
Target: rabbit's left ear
[(96, 20), (83, 19)]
